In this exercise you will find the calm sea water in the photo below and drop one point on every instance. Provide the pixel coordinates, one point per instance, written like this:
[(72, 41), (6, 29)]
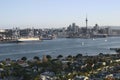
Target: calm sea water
[(59, 46)]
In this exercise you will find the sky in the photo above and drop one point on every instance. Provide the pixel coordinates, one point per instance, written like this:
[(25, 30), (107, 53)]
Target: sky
[(58, 13)]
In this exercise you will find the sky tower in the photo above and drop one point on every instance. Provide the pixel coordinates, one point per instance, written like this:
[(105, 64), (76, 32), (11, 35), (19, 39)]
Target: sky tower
[(86, 24)]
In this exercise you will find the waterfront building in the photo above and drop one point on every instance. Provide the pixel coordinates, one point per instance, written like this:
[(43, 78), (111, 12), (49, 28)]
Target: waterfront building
[(2, 34), (115, 32), (72, 31)]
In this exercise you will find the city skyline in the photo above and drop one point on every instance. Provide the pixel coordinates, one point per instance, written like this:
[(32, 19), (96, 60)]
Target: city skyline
[(56, 14)]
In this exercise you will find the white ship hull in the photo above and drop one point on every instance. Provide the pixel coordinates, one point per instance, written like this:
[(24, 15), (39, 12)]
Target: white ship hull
[(29, 39)]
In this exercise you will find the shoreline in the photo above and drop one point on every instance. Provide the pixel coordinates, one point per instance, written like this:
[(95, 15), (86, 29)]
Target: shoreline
[(85, 55)]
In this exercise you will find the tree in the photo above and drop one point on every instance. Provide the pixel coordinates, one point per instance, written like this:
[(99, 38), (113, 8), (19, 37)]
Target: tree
[(117, 50), (59, 56), (48, 57), (36, 58), (78, 55), (101, 54), (69, 56), (24, 58)]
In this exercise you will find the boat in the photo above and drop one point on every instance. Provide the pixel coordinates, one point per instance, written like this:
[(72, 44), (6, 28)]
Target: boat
[(9, 41), (29, 37), (93, 39), (46, 38), (105, 40), (16, 37), (25, 39), (82, 43), (19, 40)]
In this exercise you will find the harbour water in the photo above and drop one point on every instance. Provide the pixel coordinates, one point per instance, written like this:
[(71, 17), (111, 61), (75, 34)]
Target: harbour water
[(59, 46)]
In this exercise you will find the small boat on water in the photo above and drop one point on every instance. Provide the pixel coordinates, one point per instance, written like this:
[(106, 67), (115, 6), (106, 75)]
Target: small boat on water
[(93, 39), (82, 43), (46, 38), (105, 40)]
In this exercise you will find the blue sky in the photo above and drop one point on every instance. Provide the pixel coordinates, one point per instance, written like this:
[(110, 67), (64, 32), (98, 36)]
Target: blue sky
[(58, 13)]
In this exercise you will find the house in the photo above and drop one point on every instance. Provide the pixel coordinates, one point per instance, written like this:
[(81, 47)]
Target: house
[(47, 76), (81, 78), (116, 75)]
